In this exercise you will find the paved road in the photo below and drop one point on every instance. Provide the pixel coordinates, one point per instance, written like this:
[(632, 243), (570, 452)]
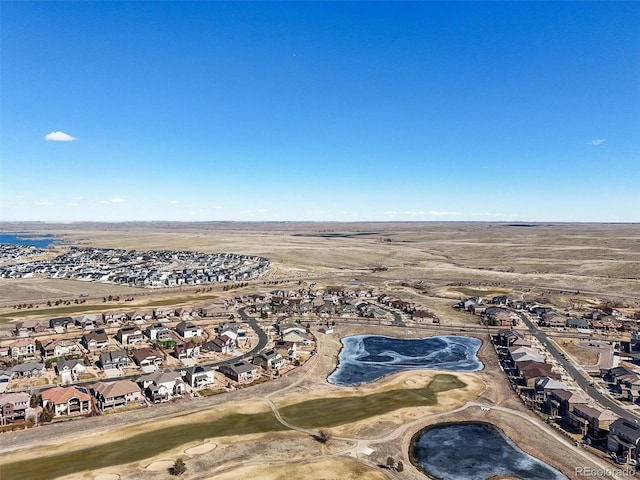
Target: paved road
[(577, 375), (253, 323)]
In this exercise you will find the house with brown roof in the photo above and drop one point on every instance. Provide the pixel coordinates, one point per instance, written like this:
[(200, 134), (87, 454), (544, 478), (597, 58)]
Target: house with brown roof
[(95, 340), (591, 419), (27, 327), (424, 316), (186, 350), (72, 400), (145, 357), (221, 344), (115, 394), (535, 370), (562, 402)]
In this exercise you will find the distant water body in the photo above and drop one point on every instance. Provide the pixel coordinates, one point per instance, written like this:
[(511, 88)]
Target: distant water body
[(366, 358), (475, 451), (27, 239)]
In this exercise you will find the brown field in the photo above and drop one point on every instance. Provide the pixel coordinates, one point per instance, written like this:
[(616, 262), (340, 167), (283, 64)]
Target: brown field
[(582, 355), (433, 264)]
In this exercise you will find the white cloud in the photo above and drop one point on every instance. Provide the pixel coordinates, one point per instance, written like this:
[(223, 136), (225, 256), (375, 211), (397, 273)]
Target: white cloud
[(59, 136), (118, 200), (173, 202), (103, 202), (45, 204), (597, 141), (437, 213), (262, 210)]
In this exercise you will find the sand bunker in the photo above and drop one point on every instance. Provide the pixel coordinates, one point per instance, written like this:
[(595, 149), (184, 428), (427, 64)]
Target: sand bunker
[(161, 466), (107, 476), (200, 449)]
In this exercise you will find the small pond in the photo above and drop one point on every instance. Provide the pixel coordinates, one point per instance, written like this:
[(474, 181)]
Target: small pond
[(475, 451), (365, 358)]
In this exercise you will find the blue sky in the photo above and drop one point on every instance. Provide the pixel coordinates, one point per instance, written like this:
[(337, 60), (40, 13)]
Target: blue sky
[(342, 111)]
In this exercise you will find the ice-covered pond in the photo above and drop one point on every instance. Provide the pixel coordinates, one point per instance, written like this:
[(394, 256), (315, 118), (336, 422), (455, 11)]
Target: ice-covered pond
[(475, 451), (365, 358)]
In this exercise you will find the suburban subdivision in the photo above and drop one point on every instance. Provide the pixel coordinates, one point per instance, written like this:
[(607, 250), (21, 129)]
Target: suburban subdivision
[(382, 350)]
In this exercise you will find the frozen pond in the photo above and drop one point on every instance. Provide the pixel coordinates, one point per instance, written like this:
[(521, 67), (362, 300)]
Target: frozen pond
[(365, 358), (475, 451)]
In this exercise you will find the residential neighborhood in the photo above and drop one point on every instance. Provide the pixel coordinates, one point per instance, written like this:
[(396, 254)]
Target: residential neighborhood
[(149, 269)]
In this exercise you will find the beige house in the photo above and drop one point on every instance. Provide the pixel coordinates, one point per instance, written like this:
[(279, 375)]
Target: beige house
[(116, 394)]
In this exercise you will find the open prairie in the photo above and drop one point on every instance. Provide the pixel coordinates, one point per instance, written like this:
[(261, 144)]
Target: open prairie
[(444, 259)]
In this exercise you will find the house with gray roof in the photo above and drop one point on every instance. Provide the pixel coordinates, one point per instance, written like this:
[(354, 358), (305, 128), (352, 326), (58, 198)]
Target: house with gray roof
[(623, 438), (200, 376), (114, 359), (240, 371), (269, 360)]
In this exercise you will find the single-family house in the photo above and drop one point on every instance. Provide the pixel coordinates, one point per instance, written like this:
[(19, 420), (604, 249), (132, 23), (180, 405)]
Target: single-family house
[(188, 330), (60, 323), (577, 323), (186, 350), (115, 394), (114, 359), (88, 322), (158, 332), (216, 310), (28, 369), (95, 340), (23, 349), (113, 318), (591, 419), (27, 327), (73, 400), (523, 354), (544, 386), (199, 375), (53, 348), (424, 316), (288, 350), (221, 344), (145, 357), (139, 315), (562, 402), (269, 360), (233, 330), (129, 335), (162, 386), (534, 371), (13, 406), (184, 312), (239, 371), (623, 438), (69, 370), (511, 338)]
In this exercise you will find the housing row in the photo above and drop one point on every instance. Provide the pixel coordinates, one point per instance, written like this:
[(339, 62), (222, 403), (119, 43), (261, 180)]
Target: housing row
[(502, 311), (152, 388)]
